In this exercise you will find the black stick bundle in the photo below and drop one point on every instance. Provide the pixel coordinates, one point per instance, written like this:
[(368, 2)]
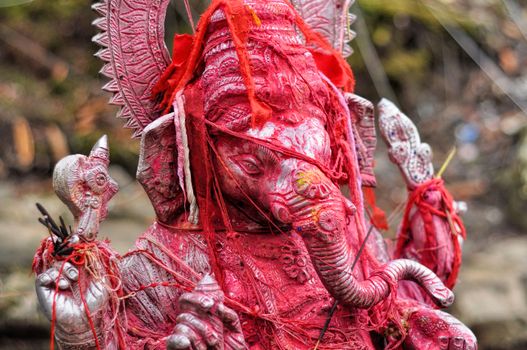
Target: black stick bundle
[(61, 233)]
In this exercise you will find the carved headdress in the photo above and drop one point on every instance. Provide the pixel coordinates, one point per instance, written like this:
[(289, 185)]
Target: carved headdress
[(132, 40), (249, 49)]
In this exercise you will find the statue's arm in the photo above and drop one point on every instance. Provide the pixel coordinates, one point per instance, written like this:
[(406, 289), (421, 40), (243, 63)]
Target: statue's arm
[(171, 299), (72, 267), (82, 285), (432, 231)]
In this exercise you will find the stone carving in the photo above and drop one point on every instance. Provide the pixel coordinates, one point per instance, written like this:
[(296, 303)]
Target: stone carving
[(83, 184), (363, 124), (133, 44), (431, 232), (157, 169), (413, 158), (331, 18), (254, 245)]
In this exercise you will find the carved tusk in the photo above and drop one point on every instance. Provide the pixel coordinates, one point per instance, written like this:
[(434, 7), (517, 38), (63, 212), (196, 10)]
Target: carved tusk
[(101, 150)]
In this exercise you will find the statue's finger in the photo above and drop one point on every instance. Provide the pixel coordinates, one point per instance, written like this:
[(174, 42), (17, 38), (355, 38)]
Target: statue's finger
[(63, 283), (470, 346), (229, 317), (178, 342), (96, 289), (195, 340), (196, 301), (457, 343), (71, 272), (44, 280), (203, 328), (235, 342), (444, 342), (45, 293), (96, 295), (53, 273)]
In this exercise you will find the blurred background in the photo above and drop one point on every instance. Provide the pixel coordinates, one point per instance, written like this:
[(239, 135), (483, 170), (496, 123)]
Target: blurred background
[(458, 68)]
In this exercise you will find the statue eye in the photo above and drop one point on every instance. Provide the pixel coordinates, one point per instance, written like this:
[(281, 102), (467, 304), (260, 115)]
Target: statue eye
[(249, 164), (100, 179)]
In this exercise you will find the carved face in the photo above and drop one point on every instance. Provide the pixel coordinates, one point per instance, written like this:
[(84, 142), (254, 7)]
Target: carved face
[(274, 181), (85, 186)]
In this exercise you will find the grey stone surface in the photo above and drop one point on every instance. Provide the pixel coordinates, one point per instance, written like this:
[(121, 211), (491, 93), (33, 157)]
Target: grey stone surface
[(491, 296)]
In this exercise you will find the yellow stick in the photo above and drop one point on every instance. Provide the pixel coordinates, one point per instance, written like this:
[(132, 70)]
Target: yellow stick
[(447, 161)]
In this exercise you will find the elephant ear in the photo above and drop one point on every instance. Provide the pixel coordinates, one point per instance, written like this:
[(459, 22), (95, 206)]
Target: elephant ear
[(331, 19), (413, 158), (133, 47), (363, 125), (157, 170)]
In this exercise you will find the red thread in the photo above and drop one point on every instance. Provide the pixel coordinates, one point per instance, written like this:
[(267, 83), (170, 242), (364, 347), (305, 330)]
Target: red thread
[(240, 18), (378, 217), (418, 199), (54, 309), (102, 261), (329, 61), (87, 310)]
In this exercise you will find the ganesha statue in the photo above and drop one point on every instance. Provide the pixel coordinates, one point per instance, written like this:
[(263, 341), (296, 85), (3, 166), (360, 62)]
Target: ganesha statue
[(248, 133)]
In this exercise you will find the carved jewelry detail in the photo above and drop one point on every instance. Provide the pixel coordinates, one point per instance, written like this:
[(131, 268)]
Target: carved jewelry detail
[(413, 158), (132, 37), (330, 18), (363, 126)]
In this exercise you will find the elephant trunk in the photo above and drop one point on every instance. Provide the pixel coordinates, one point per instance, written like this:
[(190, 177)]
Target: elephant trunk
[(333, 261), (318, 211)]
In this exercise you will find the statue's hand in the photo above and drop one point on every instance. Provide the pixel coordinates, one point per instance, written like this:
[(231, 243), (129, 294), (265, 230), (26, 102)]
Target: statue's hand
[(437, 330), (71, 320), (206, 323)]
